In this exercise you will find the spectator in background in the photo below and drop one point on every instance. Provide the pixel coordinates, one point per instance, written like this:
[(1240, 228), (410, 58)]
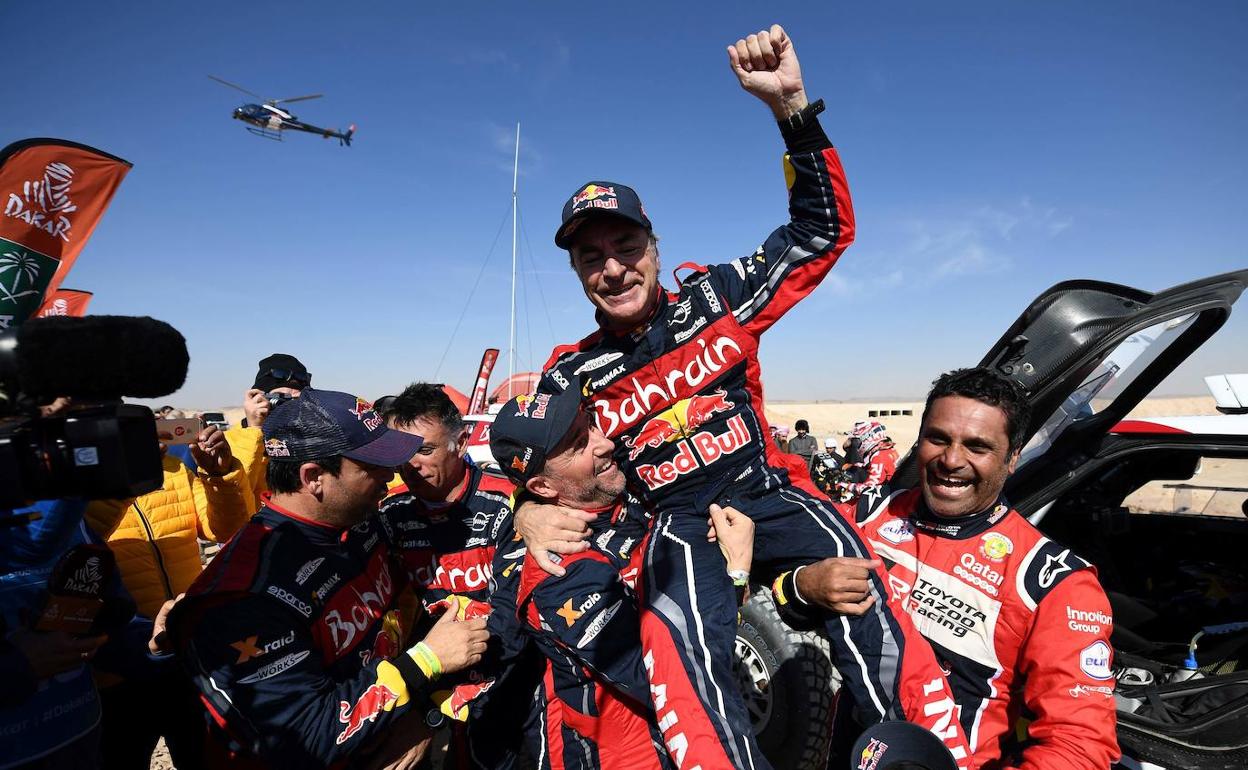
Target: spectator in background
[(281, 374), (781, 438), (155, 538), (872, 460), (803, 443)]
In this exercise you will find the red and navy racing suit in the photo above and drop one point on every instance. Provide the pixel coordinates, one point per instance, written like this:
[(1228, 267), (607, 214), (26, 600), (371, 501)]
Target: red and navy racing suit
[(682, 397), (875, 471), (1020, 622), (296, 636), (587, 625), (447, 549)]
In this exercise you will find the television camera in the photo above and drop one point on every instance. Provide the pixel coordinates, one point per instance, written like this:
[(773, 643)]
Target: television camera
[(99, 447)]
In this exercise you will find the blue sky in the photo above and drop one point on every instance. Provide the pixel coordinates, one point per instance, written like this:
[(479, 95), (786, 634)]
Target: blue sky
[(992, 149)]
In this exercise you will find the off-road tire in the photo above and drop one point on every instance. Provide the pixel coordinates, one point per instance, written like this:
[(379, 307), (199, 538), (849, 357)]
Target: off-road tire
[(788, 681)]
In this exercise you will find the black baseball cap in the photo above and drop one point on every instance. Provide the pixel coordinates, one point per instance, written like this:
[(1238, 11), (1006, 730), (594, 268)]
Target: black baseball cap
[(600, 199), (281, 370), (888, 744), (325, 423), (528, 428)]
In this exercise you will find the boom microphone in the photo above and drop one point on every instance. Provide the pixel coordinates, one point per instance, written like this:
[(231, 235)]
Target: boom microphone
[(93, 358)]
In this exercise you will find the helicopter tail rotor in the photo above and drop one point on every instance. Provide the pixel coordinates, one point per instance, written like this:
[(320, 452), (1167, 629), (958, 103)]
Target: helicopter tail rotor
[(346, 136)]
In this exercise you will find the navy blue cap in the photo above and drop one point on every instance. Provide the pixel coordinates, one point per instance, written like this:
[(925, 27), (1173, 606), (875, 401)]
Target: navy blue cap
[(596, 199), (886, 744), (528, 428), (325, 423)]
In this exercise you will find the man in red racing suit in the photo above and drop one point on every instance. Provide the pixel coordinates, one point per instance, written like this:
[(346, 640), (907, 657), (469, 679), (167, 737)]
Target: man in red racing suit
[(445, 522), (674, 379), (1019, 621), (299, 635)]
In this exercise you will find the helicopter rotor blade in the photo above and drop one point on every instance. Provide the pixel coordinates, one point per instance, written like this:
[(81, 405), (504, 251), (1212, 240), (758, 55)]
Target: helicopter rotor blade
[(236, 87), (296, 99)]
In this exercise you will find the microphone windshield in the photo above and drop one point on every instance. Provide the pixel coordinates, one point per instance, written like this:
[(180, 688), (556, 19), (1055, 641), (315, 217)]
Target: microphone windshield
[(99, 357)]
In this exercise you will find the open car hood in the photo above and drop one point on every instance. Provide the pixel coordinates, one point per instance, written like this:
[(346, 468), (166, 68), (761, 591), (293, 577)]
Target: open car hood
[(1087, 352)]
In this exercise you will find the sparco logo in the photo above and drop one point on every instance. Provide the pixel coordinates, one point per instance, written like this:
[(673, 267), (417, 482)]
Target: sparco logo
[(45, 203), (300, 606), (685, 375)]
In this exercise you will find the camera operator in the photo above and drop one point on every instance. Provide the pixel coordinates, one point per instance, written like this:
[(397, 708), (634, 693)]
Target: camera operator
[(280, 376), (49, 708), (155, 540)]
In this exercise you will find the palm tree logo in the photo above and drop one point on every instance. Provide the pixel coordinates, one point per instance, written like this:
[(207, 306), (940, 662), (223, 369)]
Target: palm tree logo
[(18, 265)]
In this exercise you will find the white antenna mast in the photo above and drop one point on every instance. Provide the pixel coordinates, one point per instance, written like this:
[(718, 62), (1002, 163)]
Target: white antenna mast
[(511, 350)]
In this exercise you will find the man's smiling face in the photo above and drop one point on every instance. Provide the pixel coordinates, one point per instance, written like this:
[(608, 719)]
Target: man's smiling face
[(618, 264), (964, 455)]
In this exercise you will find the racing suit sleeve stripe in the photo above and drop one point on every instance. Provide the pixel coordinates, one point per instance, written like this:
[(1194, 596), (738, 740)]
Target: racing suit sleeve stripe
[(1066, 662), (796, 256), (275, 686)]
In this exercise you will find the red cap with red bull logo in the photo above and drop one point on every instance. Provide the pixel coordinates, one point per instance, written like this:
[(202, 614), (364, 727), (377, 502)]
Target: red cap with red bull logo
[(598, 199)]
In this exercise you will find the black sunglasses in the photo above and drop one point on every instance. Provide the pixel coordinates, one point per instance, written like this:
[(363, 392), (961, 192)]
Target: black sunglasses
[(289, 375)]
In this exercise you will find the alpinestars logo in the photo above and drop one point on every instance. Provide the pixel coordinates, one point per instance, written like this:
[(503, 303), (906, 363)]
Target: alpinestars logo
[(45, 203)]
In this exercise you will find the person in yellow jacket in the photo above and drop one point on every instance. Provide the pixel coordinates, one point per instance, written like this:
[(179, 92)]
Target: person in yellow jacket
[(279, 373), (155, 538)]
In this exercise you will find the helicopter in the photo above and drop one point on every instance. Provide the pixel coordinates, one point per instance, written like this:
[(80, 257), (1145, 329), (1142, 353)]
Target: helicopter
[(269, 120)]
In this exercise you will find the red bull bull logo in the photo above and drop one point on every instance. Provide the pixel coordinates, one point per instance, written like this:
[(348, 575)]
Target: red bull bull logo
[(364, 413), (872, 754), (702, 449), (373, 701), (595, 196), (680, 421)]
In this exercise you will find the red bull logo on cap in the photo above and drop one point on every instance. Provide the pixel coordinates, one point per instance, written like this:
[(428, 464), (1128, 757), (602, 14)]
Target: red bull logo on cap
[(680, 421), (595, 196), (363, 412), (872, 754)]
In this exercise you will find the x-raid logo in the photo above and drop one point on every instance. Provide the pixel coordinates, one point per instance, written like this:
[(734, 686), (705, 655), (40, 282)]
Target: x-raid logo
[(45, 203)]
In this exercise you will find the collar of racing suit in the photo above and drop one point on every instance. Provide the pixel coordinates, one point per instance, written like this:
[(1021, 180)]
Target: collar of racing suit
[(637, 331), (959, 527)]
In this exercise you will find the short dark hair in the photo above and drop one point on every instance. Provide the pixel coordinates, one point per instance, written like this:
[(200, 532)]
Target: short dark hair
[(424, 400), (801, 425), (283, 475), (987, 387)]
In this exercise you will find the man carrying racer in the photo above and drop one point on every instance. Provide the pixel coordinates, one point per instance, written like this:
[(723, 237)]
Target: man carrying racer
[(586, 622), (445, 521), (673, 377)]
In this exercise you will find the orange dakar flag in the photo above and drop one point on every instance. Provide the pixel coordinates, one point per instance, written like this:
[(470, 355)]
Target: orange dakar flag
[(71, 302), (53, 194)]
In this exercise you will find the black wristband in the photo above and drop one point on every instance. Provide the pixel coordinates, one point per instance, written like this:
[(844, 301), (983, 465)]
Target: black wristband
[(802, 132)]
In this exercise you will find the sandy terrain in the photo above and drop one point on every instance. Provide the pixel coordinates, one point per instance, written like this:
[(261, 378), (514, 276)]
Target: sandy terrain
[(834, 418)]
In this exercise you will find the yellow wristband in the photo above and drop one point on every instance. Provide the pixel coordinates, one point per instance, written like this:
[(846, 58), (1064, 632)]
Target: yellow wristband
[(777, 589), (426, 660)]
